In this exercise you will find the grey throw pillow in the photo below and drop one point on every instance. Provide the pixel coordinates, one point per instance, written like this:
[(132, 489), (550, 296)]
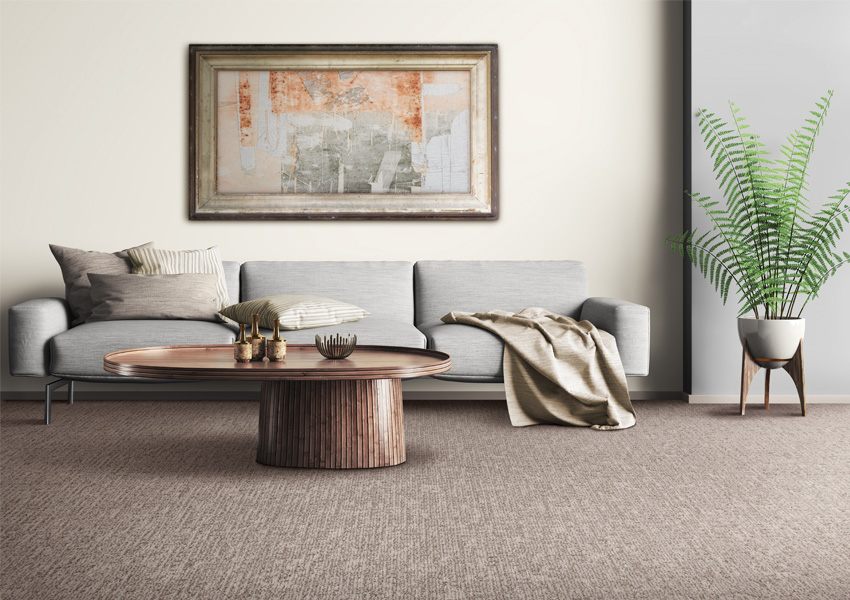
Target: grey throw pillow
[(77, 264), (120, 297)]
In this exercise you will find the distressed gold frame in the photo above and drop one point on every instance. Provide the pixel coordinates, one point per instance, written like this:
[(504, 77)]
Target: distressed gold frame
[(205, 203)]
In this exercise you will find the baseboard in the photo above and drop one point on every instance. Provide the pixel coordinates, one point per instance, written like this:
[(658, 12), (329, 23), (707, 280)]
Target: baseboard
[(188, 395), (417, 395), (774, 399), (500, 395), (59, 396), (681, 396), (459, 395)]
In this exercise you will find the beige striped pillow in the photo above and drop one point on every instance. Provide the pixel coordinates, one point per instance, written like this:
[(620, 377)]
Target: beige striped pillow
[(153, 261), (295, 311)]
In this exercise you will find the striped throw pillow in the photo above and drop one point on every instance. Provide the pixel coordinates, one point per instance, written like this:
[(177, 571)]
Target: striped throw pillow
[(295, 311), (153, 261)]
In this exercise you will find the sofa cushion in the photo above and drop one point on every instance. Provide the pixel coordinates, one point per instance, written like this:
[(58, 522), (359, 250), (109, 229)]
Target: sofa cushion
[(77, 264), (79, 352), (190, 296), (231, 275), (155, 261), (370, 331), (294, 311), (478, 286), (384, 289), (476, 353)]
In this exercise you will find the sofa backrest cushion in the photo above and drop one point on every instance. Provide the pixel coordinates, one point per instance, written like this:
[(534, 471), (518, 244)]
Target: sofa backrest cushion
[(384, 289), (478, 286), (231, 276)]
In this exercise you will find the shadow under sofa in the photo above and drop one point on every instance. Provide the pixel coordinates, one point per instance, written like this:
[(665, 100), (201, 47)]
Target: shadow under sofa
[(405, 300)]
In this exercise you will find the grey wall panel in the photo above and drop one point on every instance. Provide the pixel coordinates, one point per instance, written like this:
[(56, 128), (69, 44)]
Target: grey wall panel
[(774, 60)]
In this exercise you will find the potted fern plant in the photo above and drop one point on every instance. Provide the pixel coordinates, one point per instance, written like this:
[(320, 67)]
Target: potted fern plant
[(764, 239)]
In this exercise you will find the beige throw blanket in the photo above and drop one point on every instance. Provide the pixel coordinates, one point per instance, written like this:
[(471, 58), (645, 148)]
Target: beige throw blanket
[(557, 370)]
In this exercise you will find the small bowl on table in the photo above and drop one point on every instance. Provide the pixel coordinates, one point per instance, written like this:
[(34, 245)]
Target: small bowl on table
[(335, 346)]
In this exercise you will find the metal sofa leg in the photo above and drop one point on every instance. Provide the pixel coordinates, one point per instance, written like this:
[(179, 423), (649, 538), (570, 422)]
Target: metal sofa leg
[(48, 395)]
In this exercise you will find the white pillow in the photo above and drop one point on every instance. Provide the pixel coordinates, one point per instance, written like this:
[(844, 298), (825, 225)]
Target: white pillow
[(295, 311), (153, 261)]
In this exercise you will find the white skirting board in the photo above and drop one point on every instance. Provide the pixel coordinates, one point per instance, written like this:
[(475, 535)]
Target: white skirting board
[(195, 395), (753, 398)]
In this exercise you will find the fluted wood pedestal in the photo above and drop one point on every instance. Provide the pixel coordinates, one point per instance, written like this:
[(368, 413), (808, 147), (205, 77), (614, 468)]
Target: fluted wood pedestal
[(333, 424)]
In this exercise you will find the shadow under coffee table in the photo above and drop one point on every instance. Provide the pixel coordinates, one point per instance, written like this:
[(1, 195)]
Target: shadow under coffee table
[(314, 412)]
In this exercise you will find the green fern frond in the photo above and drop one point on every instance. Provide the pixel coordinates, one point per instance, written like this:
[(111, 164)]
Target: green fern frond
[(764, 239)]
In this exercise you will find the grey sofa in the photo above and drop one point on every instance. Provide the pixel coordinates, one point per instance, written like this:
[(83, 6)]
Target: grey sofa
[(406, 301)]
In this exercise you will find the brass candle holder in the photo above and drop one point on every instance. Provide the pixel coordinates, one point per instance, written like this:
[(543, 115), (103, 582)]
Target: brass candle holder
[(276, 347), (242, 348), (258, 342)]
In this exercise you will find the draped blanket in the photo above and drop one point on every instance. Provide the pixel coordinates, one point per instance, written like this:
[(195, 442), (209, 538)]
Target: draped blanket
[(557, 370)]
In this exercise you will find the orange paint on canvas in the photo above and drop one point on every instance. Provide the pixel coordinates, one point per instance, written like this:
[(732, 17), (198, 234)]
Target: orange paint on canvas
[(288, 94), (246, 130), (230, 177), (399, 92)]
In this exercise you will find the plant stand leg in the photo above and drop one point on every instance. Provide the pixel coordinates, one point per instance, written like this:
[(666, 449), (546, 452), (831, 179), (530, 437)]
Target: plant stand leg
[(798, 375), (749, 368), (767, 389)]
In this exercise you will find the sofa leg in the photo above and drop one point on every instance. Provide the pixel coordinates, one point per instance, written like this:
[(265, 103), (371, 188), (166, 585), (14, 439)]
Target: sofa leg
[(48, 395)]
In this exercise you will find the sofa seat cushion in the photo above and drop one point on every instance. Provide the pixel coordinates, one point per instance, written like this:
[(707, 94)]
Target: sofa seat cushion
[(370, 331), (476, 353), (79, 351)]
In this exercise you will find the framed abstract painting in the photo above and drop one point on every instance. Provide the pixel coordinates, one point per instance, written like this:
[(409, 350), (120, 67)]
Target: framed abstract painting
[(343, 132)]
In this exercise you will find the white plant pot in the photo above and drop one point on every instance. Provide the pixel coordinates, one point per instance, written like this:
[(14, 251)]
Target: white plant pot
[(771, 338)]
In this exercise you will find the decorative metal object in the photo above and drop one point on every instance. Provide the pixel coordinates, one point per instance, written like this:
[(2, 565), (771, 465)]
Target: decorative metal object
[(258, 342), (412, 131), (335, 346), (276, 347), (242, 348)]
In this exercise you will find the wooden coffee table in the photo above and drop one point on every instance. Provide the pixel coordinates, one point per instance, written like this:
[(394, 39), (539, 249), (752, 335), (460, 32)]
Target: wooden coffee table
[(314, 412)]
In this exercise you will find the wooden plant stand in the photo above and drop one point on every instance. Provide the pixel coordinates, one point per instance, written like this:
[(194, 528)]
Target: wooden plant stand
[(750, 366)]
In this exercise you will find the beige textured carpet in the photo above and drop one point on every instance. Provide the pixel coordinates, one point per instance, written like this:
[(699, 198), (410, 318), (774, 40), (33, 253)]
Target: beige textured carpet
[(164, 500)]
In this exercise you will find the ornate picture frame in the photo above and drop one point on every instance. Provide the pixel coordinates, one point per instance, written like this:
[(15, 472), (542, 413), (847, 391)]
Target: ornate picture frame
[(343, 132)]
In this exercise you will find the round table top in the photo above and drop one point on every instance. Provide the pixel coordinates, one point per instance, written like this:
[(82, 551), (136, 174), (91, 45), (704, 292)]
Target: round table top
[(302, 361)]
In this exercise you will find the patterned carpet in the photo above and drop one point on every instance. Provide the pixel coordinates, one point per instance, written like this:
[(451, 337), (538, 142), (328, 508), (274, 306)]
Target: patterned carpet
[(165, 500)]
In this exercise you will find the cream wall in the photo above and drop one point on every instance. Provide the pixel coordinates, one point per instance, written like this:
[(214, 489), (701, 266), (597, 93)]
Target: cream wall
[(94, 141)]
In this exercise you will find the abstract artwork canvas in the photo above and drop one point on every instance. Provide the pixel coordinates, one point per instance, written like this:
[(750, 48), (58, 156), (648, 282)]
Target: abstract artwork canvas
[(343, 132), (375, 132)]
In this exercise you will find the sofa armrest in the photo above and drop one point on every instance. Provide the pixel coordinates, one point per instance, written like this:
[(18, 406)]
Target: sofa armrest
[(32, 324), (628, 323)]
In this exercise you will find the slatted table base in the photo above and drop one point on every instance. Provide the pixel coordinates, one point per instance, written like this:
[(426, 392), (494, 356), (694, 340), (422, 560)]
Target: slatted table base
[(331, 424)]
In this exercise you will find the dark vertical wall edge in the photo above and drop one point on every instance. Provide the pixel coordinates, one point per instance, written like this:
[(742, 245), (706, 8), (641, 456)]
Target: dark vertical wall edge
[(687, 271)]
